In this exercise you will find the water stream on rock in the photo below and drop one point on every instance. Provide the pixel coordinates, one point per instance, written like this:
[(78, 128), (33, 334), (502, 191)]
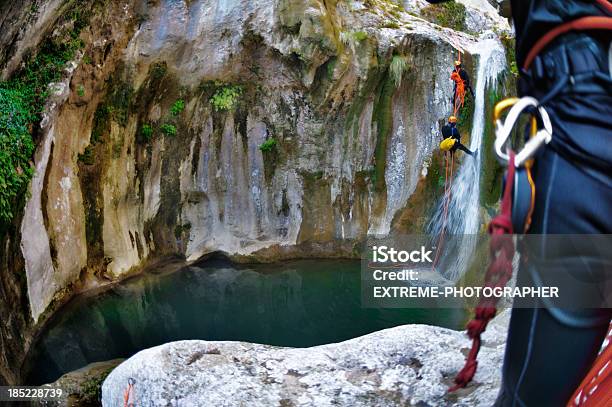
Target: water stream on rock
[(298, 304), (463, 217)]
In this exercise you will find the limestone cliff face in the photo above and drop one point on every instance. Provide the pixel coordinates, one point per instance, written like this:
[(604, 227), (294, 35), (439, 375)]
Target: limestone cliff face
[(266, 128)]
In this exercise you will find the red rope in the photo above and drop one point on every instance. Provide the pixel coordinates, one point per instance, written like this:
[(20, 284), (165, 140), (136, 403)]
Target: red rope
[(605, 4), (128, 393), (459, 98), (596, 387), (498, 274), (447, 193)]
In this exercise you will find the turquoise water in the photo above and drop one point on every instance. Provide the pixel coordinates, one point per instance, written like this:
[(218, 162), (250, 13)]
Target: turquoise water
[(298, 304)]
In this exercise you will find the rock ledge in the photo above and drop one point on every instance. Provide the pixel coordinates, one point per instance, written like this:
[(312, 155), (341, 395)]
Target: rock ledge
[(407, 365)]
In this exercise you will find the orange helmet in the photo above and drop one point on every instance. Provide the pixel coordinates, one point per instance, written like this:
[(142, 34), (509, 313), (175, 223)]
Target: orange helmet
[(457, 63), (452, 119)]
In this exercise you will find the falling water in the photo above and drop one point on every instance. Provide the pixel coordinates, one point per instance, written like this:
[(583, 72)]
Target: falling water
[(462, 220)]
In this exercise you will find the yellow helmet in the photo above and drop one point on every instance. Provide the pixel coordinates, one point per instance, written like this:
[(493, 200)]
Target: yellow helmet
[(457, 63), (452, 119)]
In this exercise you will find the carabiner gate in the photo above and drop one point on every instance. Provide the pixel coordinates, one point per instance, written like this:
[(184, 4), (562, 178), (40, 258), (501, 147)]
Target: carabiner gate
[(503, 129)]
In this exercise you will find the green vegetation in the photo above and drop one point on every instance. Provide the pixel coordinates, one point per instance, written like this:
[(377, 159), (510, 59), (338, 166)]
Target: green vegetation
[(391, 24), (466, 116), (226, 97), (118, 101), (492, 171), (331, 66), (87, 157), (16, 148), (180, 229), (81, 90), (345, 37), (146, 132), (168, 129), (100, 123), (115, 107), (352, 38), (360, 35), (268, 145), (177, 107), (91, 389), (509, 45), (449, 14), (399, 65), (158, 70), (117, 148), (22, 100), (383, 115)]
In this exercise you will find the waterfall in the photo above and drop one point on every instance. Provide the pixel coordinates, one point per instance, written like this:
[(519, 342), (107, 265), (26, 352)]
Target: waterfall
[(463, 220)]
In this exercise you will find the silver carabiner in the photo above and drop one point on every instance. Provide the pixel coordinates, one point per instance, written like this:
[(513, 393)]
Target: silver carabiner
[(503, 129)]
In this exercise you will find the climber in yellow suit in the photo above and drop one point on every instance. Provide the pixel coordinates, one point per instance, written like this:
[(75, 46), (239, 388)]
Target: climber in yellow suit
[(451, 139)]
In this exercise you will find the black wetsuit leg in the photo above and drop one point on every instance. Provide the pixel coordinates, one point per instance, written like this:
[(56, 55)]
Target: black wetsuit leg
[(463, 148), (547, 357), (549, 351)]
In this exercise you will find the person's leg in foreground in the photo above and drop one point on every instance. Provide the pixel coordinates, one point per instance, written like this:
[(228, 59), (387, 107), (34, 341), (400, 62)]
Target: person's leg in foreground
[(549, 350)]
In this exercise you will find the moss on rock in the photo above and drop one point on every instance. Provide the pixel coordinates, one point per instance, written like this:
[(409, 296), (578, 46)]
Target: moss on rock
[(450, 14)]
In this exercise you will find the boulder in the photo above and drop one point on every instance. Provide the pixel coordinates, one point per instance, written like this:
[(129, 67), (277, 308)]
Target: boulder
[(406, 365), (83, 386)]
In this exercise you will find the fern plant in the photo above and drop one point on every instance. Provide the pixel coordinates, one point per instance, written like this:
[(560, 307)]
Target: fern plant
[(399, 65), (268, 145)]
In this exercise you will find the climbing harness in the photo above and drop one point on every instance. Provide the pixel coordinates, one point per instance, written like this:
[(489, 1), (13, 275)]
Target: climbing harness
[(502, 227), (128, 394)]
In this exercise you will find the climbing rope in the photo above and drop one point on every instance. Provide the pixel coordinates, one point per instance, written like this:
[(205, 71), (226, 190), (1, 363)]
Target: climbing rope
[(596, 388), (498, 274), (448, 181), (128, 394), (501, 228)]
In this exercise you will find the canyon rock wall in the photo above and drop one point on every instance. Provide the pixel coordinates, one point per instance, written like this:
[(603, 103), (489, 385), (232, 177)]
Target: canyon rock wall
[(262, 129)]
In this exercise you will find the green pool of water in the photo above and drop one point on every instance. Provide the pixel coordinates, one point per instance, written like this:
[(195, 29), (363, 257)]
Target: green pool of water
[(298, 304)]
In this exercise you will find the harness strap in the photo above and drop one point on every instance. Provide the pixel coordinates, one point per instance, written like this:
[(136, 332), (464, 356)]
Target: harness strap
[(581, 24)]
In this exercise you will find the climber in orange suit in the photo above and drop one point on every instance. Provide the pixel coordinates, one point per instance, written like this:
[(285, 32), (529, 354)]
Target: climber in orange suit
[(462, 82)]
